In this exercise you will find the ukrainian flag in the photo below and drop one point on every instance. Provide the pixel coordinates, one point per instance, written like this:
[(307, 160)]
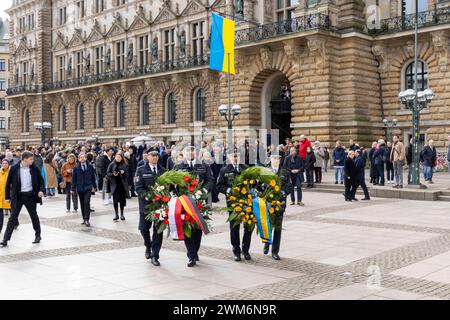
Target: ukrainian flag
[(222, 44)]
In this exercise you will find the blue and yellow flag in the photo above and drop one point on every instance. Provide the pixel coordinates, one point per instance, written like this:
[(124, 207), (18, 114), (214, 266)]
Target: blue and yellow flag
[(261, 212), (222, 44)]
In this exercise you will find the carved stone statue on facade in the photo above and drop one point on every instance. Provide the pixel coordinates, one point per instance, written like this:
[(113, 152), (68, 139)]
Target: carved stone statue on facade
[(130, 55), (239, 8), (69, 67), (32, 73), (87, 63), (108, 58), (154, 49), (183, 43)]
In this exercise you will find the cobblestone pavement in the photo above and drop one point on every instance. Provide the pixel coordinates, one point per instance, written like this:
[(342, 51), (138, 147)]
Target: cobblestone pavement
[(382, 249)]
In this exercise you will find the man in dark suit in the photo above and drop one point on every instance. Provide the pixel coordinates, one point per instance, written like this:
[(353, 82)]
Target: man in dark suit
[(146, 176), (83, 182), (24, 187), (206, 179), (225, 181)]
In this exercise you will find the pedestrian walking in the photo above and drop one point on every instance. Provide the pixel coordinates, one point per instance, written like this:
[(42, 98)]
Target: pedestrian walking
[(295, 167), (227, 176), (428, 157), (5, 206), (67, 173), (409, 160), (309, 167), (117, 173), (51, 181), (146, 176), (101, 165), (350, 177), (380, 157), (319, 153), (360, 165), (373, 168), (24, 187), (389, 165), (83, 182), (398, 155), (338, 162)]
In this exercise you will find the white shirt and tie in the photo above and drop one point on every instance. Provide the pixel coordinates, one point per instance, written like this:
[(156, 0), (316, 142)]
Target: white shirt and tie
[(153, 168), (26, 184)]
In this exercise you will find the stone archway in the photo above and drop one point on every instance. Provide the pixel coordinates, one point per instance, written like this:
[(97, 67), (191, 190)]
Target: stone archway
[(273, 103)]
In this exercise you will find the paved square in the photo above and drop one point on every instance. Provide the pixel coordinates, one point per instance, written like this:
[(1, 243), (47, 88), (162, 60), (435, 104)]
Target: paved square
[(330, 250)]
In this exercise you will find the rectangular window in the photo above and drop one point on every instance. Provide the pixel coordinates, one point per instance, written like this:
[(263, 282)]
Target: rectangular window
[(2, 123), (99, 6), (81, 9), (120, 55), (98, 60), (2, 104), (169, 45), (24, 73), (120, 2), (197, 38), (143, 51), (2, 65), (61, 68), (62, 15), (79, 64), (2, 85)]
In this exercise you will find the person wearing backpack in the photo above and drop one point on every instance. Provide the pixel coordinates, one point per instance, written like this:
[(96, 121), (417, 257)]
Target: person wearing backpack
[(380, 157)]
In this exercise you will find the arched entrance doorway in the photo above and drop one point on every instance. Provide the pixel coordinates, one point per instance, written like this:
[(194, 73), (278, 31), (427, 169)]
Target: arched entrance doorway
[(276, 106)]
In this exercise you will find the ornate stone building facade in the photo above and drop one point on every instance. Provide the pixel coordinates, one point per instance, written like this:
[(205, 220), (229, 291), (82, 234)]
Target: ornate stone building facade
[(329, 68), (4, 77)]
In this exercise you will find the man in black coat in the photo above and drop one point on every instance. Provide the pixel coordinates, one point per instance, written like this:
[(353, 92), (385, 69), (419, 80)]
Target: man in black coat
[(84, 183), (132, 167), (227, 175), (145, 177), (206, 179), (350, 177), (360, 164), (295, 167), (24, 187), (102, 163)]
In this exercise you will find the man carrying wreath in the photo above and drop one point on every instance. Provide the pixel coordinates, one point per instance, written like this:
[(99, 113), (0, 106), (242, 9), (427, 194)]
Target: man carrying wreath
[(206, 179), (146, 176), (227, 176), (282, 174)]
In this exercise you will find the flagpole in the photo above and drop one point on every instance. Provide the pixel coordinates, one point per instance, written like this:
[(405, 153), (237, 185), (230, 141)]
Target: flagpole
[(229, 135)]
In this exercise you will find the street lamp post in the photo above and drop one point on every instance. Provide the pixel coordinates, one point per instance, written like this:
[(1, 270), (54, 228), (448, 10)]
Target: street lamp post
[(389, 125), (416, 102), (229, 113), (42, 126)]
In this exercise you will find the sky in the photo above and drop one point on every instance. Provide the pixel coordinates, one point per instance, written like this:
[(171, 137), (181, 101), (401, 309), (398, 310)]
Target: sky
[(4, 4)]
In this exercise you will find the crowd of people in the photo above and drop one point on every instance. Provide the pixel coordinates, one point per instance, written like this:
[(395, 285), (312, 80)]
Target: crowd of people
[(120, 173)]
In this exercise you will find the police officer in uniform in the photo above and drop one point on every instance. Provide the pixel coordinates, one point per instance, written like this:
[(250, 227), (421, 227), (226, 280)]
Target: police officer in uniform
[(146, 176), (226, 177), (206, 179), (283, 175)]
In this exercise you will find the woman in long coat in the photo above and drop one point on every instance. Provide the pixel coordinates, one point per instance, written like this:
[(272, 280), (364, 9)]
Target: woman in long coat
[(4, 206), (51, 181), (117, 173)]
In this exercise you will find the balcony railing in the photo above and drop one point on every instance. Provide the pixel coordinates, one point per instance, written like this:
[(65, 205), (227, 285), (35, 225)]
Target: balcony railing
[(129, 73), (407, 22), (316, 21)]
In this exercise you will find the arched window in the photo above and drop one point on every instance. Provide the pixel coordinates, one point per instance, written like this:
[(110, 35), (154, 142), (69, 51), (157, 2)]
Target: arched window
[(99, 115), (422, 76), (171, 108), (144, 111), (80, 117), (26, 120), (62, 118), (121, 112), (199, 105)]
